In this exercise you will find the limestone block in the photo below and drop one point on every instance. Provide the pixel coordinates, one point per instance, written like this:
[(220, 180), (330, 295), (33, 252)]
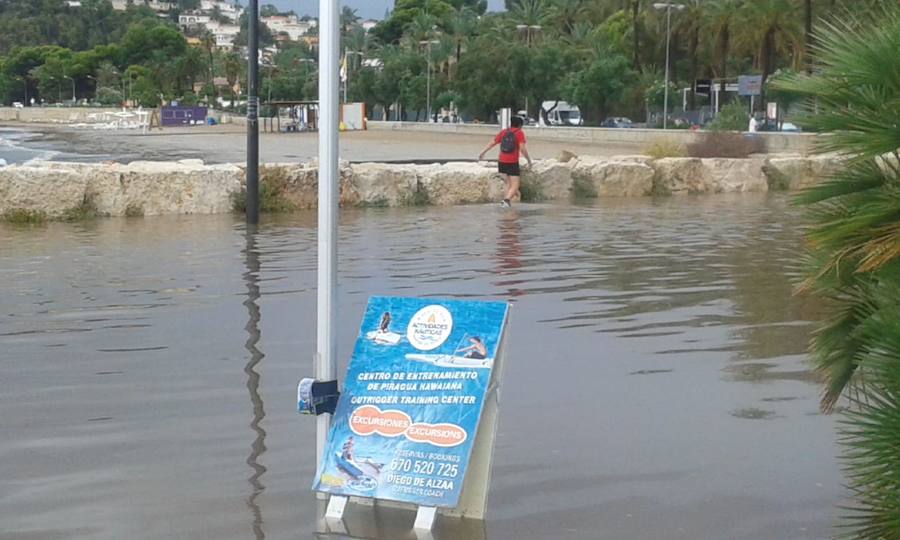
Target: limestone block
[(50, 190), (736, 175)]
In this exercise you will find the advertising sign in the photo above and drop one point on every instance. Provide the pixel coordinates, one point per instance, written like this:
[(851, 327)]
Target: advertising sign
[(749, 85), (406, 420)]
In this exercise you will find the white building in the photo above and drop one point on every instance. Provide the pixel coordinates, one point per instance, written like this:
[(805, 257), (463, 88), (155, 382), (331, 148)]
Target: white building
[(224, 33), (155, 5), (193, 18), (231, 11), (290, 25), (369, 24)]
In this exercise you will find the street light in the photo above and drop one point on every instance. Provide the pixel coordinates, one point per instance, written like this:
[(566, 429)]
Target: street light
[(668, 6), (531, 32), (428, 76)]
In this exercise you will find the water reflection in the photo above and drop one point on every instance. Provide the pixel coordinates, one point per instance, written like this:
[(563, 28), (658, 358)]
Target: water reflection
[(258, 447), (389, 523), (509, 253)]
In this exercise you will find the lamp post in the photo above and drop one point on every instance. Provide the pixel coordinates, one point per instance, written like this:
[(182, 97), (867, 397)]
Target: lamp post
[(531, 33), (253, 113), (427, 44), (668, 6)]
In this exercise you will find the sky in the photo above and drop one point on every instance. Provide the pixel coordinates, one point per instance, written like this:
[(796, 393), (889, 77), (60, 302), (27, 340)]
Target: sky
[(369, 9)]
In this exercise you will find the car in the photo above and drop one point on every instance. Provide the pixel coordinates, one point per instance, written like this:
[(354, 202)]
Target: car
[(789, 127), (617, 122), (18, 105)]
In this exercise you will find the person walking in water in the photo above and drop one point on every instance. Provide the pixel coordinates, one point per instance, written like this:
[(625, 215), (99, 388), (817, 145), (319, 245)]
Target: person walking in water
[(511, 141)]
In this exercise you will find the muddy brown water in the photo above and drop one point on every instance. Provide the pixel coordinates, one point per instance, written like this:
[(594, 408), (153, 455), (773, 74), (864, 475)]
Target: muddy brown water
[(656, 384)]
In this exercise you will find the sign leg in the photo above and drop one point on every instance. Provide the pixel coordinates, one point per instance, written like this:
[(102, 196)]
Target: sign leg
[(425, 516), (336, 506)]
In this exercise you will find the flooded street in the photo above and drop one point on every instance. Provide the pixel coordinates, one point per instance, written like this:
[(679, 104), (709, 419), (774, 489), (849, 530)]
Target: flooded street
[(655, 384)]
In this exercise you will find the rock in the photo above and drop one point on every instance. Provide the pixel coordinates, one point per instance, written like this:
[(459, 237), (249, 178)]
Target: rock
[(163, 188), (547, 179), (382, 184), (796, 172), (736, 175), (52, 191), (459, 183), (606, 178), (681, 176), (565, 156)]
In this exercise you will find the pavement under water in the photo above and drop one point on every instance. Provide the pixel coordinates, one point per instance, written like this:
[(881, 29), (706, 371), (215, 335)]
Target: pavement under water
[(656, 383)]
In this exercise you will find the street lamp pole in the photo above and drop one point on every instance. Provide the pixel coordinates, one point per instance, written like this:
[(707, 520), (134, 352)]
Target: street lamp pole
[(668, 7)]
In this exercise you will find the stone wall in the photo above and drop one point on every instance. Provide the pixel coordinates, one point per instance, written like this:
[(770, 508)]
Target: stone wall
[(191, 187)]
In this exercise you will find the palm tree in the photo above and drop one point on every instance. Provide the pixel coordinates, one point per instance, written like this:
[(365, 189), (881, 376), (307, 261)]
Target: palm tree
[(233, 67), (565, 13), (719, 19), (190, 65), (349, 18), (462, 26), (208, 42), (689, 26), (769, 29), (529, 12), (855, 253)]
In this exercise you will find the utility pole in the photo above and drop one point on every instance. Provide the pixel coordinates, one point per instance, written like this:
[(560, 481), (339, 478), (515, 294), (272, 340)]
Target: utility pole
[(253, 113)]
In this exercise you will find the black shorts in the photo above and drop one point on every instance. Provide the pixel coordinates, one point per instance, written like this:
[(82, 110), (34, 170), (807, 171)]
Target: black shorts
[(512, 169)]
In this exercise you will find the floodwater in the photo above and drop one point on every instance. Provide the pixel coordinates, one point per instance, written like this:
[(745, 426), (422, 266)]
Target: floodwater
[(656, 383)]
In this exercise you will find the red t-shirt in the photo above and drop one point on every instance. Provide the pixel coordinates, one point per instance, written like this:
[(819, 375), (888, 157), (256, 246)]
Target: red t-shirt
[(511, 157)]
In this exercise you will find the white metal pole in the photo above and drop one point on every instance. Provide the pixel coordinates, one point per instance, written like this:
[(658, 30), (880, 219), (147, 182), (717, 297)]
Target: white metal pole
[(666, 95), (326, 339), (428, 83)]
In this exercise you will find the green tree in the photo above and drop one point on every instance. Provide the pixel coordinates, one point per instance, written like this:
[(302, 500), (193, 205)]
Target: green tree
[(266, 39), (855, 254), (601, 80), (234, 68), (770, 29)]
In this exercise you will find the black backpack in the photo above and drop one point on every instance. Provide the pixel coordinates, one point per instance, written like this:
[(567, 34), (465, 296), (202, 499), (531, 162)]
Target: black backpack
[(509, 143)]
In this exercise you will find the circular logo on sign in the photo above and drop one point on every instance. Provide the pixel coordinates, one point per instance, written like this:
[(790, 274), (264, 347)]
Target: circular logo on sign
[(429, 328)]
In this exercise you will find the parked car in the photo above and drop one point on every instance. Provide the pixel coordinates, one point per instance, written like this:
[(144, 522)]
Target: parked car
[(617, 122), (18, 105), (789, 127)]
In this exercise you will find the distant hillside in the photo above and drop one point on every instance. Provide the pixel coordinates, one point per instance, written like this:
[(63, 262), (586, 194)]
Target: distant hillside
[(75, 24)]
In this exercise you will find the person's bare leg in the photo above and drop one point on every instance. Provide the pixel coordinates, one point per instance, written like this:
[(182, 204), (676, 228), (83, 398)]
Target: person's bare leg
[(512, 187)]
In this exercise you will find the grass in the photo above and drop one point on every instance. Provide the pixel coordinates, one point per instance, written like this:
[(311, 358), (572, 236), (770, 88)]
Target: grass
[(725, 144), (380, 202), (665, 148), (22, 216), (85, 211), (419, 197)]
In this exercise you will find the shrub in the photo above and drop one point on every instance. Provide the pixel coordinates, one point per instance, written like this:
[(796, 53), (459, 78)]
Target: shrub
[(725, 144), (665, 148), (24, 216), (731, 117), (272, 193)]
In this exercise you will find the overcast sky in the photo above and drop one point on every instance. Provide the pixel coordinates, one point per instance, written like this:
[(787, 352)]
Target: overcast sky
[(370, 9)]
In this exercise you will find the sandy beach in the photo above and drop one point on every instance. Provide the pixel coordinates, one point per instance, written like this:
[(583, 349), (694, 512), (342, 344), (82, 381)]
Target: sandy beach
[(227, 144)]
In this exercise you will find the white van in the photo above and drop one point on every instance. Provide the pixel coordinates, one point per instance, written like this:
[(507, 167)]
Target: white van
[(560, 113)]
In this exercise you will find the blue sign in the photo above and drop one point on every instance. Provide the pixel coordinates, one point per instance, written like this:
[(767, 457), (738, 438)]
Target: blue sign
[(406, 420)]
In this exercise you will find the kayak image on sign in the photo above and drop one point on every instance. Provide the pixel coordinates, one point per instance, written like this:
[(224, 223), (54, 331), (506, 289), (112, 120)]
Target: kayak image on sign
[(383, 334), (362, 473), (471, 355)]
